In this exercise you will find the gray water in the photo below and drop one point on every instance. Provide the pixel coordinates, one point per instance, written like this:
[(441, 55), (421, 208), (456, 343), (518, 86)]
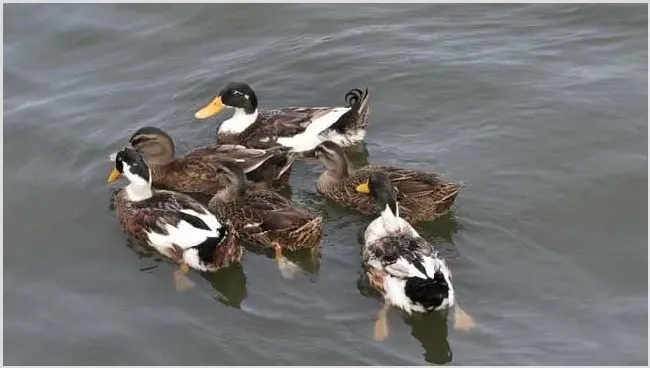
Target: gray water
[(540, 109)]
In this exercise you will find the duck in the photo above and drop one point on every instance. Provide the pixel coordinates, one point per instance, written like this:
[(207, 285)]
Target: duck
[(423, 196), (266, 218), (298, 128), (174, 224), (195, 173), (403, 267)]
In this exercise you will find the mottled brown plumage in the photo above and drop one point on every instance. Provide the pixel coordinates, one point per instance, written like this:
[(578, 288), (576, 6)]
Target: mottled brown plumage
[(265, 217), (195, 173), (421, 196)]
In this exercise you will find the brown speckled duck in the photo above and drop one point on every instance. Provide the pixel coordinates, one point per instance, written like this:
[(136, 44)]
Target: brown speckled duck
[(422, 196), (174, 224), (297, 128), (196, 171), (265, 217)]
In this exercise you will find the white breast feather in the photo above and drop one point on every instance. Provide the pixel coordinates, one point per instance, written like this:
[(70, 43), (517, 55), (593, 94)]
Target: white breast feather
[(238, 122)]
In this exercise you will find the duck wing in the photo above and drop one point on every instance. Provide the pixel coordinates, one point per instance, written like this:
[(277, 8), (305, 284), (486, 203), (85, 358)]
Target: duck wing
[(274, 212), (409, 182), (291, 121), (400, 256), (175, 218), (247, 159)]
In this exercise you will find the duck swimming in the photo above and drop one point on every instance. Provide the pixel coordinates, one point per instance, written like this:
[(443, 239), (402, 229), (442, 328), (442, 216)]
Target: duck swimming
[(405, 268), (422, 196), (173, 223), (297, 128), (195, 173), (266, 218)]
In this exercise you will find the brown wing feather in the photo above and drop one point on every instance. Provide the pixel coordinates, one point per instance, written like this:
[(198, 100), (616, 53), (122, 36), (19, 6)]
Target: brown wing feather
[(197, 172), (276, 212), (244, 156), (189, 175), (422, 196), (265, 217)]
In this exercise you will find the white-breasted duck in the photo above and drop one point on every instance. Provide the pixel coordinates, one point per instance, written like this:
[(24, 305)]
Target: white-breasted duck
[(299, 128), (405, 268), (173, 223)]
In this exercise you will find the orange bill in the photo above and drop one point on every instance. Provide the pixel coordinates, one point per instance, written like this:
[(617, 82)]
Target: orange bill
[(114, 175), (214, 108), (363, 188)]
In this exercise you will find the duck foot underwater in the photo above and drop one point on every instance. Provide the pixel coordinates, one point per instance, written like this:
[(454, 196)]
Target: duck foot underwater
[(462, 321), (381, 324), (181, 280), (288, 269)]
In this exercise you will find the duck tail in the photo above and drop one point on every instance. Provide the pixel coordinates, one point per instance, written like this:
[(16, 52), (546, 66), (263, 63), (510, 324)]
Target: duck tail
[(450, 190), (220, 251), (430, 292), (275, 171), (357, 99), (310, 234), (285, 170), (357, 118)]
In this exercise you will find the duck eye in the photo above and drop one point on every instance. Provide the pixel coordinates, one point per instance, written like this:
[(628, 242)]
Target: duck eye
[(239, 93)]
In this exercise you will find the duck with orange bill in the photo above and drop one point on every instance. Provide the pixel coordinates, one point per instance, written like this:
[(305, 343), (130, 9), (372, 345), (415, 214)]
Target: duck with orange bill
[(195, 172), (297, 128), (405, 268), (423, 196), (174, 224)]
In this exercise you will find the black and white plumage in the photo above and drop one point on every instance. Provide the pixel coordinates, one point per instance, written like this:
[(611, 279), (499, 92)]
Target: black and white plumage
[(173, 223), (299, 129), (416, 279), (402, 265)]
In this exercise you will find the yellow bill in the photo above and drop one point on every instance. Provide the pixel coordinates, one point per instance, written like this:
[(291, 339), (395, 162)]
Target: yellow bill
[(363, 188), (114, 175), (212, 109)]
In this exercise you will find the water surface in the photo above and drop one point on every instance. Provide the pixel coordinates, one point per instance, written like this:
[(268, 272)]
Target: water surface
[(540, 109)]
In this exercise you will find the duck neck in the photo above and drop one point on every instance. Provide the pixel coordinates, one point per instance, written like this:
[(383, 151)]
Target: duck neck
[(138, 191), (338, 166), (390, 217), (234, 190), (239, 121), (390, 212)]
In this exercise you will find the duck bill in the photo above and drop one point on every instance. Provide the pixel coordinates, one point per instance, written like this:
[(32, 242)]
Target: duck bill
[(114, 175), (363, 188), (212, 109)]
